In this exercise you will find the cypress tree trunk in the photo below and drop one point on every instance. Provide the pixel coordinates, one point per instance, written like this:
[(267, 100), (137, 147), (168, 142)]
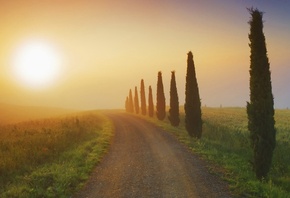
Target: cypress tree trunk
[(150, 103), (136, 101), (174, 103), (260, 109), (192, 106), (143, 98), (160, 106), (131, 105)]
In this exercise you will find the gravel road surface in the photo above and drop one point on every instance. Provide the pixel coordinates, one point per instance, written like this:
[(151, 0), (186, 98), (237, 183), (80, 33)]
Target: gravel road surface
[(145, 161)]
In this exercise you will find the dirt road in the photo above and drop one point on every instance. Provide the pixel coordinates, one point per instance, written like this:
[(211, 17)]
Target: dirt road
[(145, 161)]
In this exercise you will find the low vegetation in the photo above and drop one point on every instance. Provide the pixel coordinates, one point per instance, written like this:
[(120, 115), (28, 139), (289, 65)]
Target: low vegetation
[(226, 145), (51, 157)]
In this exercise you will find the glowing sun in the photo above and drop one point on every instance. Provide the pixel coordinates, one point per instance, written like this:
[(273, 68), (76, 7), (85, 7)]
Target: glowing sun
[(36, 63)]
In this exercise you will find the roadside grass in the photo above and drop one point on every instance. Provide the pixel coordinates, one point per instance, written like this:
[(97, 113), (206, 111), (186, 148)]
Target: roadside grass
[(51, 157), (225, 145)]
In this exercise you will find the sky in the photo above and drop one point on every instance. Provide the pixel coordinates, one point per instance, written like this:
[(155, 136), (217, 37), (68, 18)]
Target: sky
[(107, 47)]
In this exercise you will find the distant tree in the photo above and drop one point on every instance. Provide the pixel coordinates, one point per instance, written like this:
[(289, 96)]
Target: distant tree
[(260, 109), (160, 99), (136, 101), (127, 104), (143, 98), (150, 103), (131, 104), (192, 106), (174, 103)]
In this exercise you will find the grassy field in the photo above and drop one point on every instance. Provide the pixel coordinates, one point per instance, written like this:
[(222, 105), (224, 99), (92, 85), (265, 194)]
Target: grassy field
[(225, 144), (51, 157)]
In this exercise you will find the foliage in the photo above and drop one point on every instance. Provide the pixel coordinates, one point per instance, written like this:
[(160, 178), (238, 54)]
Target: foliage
[(160, 99), (51, 157), (192, 106), (174, 103), (143, 98), (260, 109), (150, 103), (131, 103), (127, 104), (136, 101)]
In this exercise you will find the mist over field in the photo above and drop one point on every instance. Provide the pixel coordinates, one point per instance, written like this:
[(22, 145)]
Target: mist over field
[(11, 114)]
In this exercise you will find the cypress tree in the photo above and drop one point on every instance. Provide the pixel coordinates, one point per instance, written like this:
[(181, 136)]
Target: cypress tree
[(260, 109), (143, 98), (174, 103), (192, 106), (150, 103), (127, 104), (131, 104), (160, 106), (136, 101)]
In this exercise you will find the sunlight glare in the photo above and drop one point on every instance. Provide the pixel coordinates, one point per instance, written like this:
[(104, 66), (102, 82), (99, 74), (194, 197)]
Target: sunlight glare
[(36, 63)]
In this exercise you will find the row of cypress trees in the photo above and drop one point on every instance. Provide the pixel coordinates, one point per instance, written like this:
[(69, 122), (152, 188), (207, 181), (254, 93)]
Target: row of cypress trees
[(192, 107), (260, 109), (133, 106)]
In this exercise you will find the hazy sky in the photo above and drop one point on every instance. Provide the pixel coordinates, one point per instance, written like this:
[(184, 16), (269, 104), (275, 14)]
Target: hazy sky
[(109, 46)]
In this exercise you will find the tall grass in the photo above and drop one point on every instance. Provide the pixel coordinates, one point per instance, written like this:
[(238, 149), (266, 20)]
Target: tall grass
[(51, 157), (225, 143)]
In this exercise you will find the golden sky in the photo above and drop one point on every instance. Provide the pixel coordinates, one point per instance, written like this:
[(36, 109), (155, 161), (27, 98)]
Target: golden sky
[(109, 46)]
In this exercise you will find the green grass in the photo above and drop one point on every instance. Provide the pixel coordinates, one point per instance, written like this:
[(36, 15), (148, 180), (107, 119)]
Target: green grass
[(225, 145), (51, 157)]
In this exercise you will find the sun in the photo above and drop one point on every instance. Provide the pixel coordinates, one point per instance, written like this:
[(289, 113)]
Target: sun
[(36, 63)]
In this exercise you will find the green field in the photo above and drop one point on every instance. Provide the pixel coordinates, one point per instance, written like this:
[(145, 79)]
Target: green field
[(51, 157), (226, 145)]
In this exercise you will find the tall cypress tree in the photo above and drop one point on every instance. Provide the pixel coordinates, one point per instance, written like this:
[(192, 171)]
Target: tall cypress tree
[(192, 106), (174, 103), (127, 104), (160, 99), (136, 101), (260, 109), (143, 98), (131, 104), (150, 103)]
